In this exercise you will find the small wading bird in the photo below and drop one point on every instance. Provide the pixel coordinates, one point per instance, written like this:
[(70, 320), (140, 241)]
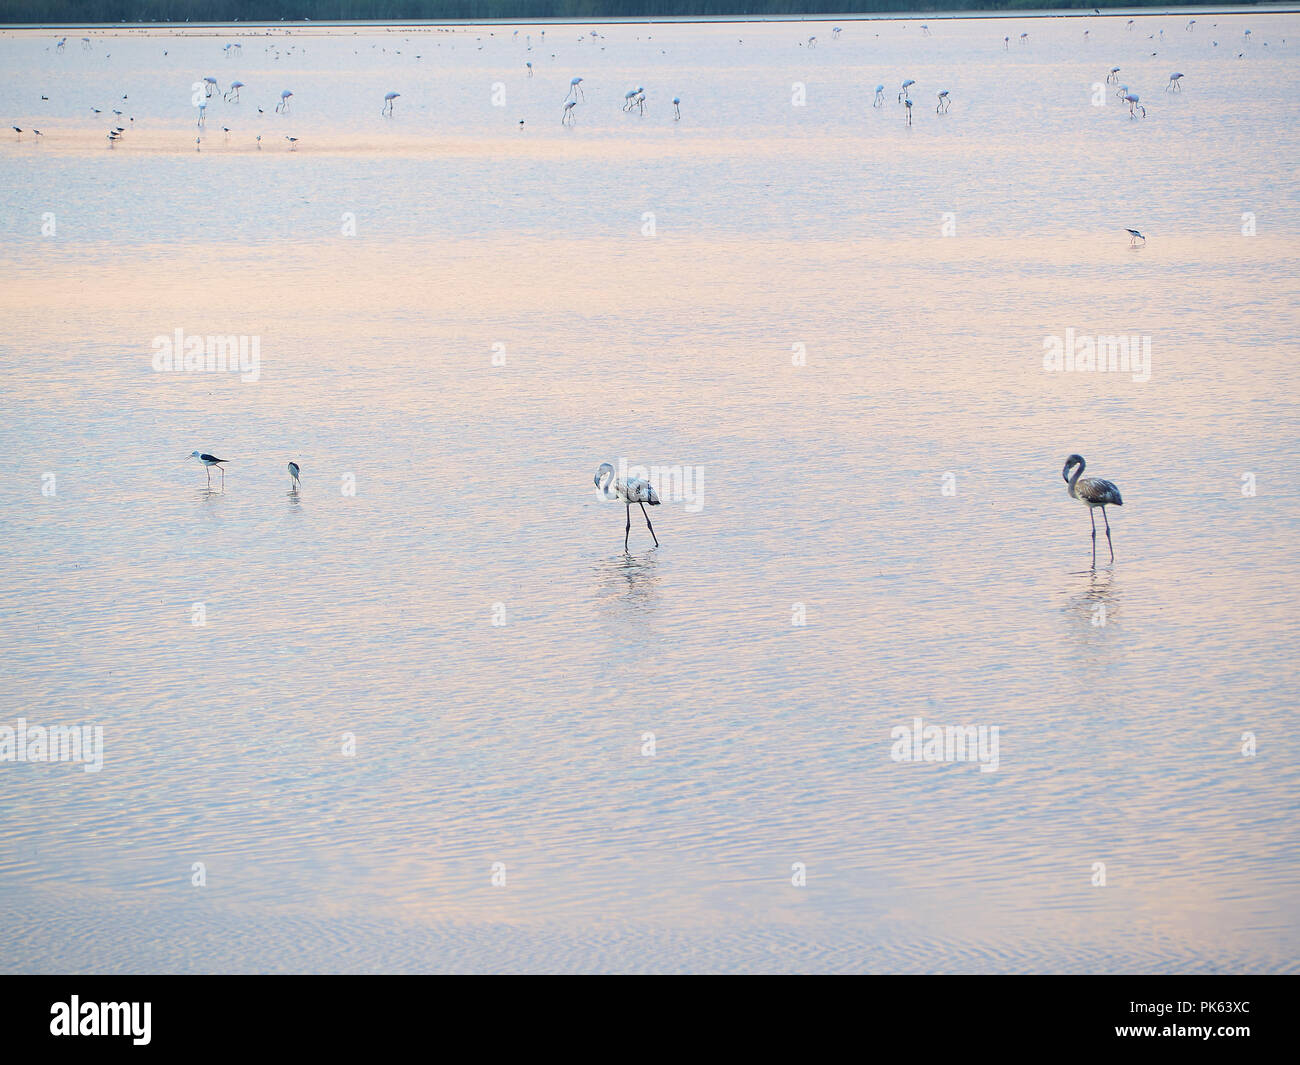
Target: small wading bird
[(293, 143), (209, 461), (1094, 492), (295, 480), (1134, 237), (633, 490)]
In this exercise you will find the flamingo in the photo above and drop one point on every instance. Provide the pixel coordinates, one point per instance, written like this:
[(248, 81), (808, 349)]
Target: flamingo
[(1175, 83), (944, 102), (677, 108), (232, 94), (1133, 106), (567, 118), (908, 101), (575, 89), (295, 476), (389, 97), (1113, 77), (1094, 492), (633, 490), (906, 85), (210, 86), (283, 105), (879, 101)]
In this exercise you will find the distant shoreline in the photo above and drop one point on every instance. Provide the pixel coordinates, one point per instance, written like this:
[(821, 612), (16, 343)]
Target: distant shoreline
[(650, 20)]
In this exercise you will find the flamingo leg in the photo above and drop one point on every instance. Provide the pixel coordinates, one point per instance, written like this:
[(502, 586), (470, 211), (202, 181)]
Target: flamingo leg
[(1108, 543), (1094, 537), (647, 524), (628, 527)]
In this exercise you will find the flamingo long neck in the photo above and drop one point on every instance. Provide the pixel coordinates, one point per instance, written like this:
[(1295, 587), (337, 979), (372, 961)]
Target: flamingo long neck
[(1074, 478), (609, 485)]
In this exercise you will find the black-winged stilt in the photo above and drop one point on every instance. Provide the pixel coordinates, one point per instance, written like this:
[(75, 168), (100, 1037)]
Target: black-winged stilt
[(209, 461)]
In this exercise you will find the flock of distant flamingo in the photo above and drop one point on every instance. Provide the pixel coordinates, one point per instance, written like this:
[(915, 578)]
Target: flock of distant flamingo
[(634, 100)]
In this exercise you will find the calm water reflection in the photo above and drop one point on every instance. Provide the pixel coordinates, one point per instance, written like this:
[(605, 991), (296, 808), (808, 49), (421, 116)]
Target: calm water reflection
[(436, 656)]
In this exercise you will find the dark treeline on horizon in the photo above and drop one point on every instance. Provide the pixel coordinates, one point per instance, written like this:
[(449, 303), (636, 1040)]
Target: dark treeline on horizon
[(86, 12)]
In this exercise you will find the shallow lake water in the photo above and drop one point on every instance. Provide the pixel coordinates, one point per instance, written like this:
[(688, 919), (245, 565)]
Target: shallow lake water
[(401, 719)]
